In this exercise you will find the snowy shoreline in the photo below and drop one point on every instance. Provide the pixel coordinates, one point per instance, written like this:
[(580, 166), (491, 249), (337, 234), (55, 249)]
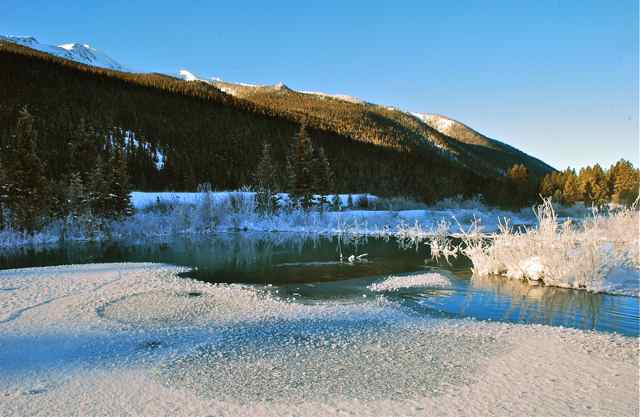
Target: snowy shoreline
[(552, 252), (136, 339)]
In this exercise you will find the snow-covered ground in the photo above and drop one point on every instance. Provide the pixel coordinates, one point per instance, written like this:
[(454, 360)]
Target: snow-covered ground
[(136, 339), (363, 221)]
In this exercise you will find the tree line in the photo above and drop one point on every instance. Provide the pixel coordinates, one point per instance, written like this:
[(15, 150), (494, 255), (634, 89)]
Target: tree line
[(308, 173), (29, 198), (593, 185)]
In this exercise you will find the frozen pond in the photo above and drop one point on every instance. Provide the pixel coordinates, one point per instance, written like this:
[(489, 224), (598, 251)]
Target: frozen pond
[(309, 271)]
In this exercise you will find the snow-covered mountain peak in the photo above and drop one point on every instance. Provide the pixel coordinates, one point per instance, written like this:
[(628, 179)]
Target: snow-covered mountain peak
[(76, 51), (440, 123), (188, 75), (76, 46)]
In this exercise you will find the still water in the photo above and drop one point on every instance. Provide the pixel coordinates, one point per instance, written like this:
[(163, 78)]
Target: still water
[(310, 270)]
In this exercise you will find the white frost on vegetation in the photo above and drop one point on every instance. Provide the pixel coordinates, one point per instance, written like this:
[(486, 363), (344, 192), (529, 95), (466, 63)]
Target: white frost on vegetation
[(160, 215), (600, 254), (395, 283)]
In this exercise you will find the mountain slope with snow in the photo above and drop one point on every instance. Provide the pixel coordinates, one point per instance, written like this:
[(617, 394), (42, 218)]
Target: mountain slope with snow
[(78, 52), (345, 115), (464, 134)]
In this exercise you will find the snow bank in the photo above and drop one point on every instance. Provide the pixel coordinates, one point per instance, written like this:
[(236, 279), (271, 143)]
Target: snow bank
[(430, 280)]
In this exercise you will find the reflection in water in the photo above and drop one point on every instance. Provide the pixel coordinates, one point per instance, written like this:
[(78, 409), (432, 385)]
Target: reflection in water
[(311, 270), (542, 304)]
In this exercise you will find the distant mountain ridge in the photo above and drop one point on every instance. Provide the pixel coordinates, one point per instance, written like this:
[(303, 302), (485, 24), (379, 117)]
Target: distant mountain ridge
[(78, 52), (455, 139), (211, 130)]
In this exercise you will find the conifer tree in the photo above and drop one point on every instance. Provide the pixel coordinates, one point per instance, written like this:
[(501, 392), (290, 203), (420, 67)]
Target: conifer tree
[(266, 183), (518, 176), (626, 182), (303, 169), (26, 185), (322, 176), (593, 183), (571, 188), (119, 192), (75, 196), (99, 184), (3, 194), (336, 204)]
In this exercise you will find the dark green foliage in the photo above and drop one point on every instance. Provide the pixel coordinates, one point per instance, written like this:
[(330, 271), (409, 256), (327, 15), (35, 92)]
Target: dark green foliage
[(303, 161), (266, 182), (75, 197), (119, 190), (322, 177), (4, 189), (99, 186), (25, 182), (519, 188), (336, 204)]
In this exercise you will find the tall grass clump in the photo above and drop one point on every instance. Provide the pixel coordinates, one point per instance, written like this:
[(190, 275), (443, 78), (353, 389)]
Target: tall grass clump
[(594, 254)]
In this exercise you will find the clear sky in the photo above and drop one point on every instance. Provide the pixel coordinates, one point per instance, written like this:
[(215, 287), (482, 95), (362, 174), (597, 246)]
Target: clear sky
[(557, 79)]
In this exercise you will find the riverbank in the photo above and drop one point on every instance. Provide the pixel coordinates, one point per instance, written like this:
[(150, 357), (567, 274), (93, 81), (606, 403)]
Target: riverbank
[(137, 339)]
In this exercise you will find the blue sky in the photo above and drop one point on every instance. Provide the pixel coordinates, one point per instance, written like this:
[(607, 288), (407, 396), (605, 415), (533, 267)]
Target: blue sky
[(557, 79)]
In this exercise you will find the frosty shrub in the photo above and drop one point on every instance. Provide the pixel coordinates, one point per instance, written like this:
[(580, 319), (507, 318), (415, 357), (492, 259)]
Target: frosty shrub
[(589, 255)]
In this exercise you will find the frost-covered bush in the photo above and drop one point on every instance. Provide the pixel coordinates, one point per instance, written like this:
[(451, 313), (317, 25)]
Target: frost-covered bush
[(593, 254)]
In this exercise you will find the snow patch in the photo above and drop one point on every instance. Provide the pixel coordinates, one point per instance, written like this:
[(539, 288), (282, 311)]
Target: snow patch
[(189, 76), (343, 97), (440, 123), (430, 280)]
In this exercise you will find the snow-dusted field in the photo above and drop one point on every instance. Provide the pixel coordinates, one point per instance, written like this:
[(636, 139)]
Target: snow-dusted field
[(135, 339)]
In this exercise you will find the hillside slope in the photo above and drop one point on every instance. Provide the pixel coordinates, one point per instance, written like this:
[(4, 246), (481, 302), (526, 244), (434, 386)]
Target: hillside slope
[(207, 135), (465, 134)]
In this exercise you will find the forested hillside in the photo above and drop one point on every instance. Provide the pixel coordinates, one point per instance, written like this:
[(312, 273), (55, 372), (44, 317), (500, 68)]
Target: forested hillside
[(177, 134), (386, 126)]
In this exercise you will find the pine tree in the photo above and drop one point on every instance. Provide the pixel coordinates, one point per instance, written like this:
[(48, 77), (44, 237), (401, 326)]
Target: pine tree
[(336, 204), (119, 192), (551, 183), (26, 185), (322, 176), (571, 188), (3, 194), (626, 183), (266, 183), (518, 176), (99, 184), (303, 168), (594, 186), (75, 196)]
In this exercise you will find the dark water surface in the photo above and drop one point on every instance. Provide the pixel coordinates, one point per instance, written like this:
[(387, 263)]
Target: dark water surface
[(311, 271)]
